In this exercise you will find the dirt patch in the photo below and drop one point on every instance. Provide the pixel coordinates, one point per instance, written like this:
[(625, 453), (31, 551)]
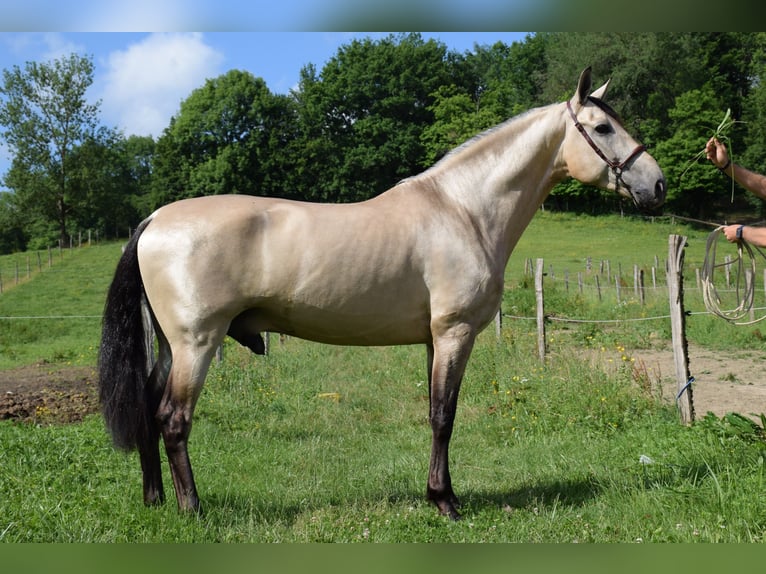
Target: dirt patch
[(48, 394), (724, 382)]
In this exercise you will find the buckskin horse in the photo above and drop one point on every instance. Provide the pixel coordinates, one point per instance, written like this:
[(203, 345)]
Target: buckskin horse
[(421, 263)]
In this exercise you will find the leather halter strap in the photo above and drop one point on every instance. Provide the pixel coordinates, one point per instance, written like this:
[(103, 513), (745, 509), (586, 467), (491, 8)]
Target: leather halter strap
[(616, 166)]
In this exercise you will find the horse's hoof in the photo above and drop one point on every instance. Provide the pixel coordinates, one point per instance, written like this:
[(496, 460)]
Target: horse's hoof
[(447, 508)]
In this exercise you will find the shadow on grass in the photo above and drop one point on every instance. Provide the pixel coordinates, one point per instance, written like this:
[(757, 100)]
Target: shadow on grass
[(558, 493), (575, 492)]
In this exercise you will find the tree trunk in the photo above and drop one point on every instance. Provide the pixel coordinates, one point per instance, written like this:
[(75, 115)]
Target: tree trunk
[(62, 222)]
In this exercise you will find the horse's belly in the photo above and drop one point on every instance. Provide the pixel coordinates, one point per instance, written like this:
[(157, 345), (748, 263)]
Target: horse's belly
[(375, 326)]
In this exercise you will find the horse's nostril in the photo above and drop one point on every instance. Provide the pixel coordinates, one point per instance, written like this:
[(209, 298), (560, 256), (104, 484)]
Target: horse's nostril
[(660, 190)]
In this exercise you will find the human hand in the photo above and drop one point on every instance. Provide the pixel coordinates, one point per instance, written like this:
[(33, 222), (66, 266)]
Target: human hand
[(730, 231), (716, 152)]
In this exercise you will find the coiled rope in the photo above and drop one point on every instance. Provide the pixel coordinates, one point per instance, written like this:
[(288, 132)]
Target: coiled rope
[(744, 283)]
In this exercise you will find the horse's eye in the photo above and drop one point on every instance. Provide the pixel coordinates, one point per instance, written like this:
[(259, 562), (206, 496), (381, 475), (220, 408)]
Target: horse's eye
[(604, 129)]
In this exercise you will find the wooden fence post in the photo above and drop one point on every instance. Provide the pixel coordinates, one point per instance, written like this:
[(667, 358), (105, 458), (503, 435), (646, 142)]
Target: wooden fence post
[(540, 310), (676, 245), (598, 288)]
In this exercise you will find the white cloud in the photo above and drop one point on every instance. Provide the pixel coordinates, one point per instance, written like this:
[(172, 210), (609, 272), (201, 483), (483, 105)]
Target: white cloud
[(144, 84), (58, 47)]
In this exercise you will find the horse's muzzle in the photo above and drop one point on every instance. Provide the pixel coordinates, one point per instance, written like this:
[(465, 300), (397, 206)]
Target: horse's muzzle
[(650, 200)]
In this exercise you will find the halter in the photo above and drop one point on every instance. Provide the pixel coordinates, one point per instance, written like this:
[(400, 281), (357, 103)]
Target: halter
[(617, 167)]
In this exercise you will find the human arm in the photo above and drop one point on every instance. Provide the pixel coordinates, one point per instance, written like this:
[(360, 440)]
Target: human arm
[(754, 235), (751, 181)]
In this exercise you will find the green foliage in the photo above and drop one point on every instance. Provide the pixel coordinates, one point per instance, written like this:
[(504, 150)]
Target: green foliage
[(365, 113), (734, 426), (46, 116), (692, 180), (457, 118), (493, 83), (224, 139)]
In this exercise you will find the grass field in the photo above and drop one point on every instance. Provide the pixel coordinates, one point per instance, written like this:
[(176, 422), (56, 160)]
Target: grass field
[(318, 443), (55, 315)]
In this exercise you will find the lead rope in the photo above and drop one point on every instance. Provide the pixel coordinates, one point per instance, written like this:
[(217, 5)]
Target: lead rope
[(744, 289)]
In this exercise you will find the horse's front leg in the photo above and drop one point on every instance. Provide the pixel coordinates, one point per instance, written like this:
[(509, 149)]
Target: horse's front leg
[(448, 358)]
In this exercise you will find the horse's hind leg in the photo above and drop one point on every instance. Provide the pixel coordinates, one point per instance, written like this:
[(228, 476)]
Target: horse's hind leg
[(151, 465), (175, 418), (149, 445)]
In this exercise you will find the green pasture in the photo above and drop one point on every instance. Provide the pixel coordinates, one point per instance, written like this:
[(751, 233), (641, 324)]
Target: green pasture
[(54, 313), (330, 444)]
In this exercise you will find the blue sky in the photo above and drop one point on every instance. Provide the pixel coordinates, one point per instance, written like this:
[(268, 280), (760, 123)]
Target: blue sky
[(141, 78)]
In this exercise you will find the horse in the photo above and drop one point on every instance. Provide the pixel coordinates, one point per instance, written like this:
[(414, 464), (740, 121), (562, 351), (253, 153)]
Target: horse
[(421, 263)]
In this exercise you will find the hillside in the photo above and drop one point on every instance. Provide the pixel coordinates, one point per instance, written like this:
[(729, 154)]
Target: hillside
[(54, 316)]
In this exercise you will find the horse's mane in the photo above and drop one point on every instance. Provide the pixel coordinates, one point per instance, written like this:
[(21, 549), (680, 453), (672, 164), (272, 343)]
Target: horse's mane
[(483, 135)]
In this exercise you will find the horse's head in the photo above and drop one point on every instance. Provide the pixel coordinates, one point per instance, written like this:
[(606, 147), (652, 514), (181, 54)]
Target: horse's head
[(598, 151)]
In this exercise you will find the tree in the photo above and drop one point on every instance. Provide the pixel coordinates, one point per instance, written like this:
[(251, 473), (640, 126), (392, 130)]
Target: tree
[(12, 236), (110, 182), (367, 110), (457, 117), (694, 185), (225, 139), (46, 115), (138, 153), (490, 85)]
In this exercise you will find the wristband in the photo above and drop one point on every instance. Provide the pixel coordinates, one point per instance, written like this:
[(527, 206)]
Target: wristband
[(739, 232), (725, 167)]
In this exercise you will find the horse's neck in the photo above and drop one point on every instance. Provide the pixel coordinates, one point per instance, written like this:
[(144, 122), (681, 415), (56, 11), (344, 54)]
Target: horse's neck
[(502, 178)]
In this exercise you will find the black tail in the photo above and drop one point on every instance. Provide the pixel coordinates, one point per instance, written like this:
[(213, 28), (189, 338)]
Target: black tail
[(122, 356)]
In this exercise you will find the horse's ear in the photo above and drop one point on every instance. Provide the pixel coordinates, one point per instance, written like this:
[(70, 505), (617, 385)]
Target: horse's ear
[(583, 86), (601, 92)]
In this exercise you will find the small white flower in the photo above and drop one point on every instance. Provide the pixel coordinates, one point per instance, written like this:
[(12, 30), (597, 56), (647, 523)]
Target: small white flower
[(643, 459)]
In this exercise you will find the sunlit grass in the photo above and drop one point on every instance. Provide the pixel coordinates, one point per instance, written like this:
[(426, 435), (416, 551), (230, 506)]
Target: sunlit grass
[(555, 453), (55, 316)]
